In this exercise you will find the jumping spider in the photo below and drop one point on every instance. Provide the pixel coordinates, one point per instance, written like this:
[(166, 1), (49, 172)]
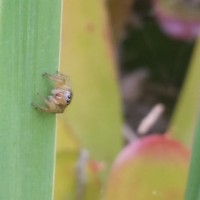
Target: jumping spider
[(61, 95)]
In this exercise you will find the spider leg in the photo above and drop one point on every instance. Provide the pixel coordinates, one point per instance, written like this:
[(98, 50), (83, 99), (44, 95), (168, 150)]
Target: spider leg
[(41, 108), (59, 78), (55, 91), (51, 102), (56, 77), (61, 75)]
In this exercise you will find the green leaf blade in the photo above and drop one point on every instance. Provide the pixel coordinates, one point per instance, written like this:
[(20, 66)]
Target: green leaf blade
[(193, 184), (29, 46)]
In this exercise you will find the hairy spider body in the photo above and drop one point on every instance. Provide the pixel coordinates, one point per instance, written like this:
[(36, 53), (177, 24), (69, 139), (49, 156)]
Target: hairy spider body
[(61, 96)]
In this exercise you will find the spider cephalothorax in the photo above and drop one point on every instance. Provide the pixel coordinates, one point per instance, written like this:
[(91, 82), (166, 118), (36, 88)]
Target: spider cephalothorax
[(61, 96)]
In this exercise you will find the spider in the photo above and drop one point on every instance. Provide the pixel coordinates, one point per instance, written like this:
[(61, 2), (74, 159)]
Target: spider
[(61, 95)]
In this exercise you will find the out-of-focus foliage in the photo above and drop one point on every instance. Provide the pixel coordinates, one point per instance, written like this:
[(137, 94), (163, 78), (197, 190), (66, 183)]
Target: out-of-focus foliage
[(178, 19), (147, 46), (66, 139), (66, 179), (93, 119), (66, 184), (88, 57), (164, 61), (153, 168), (119, 15), (185, 116), (66, 159), (157, 166), (193, 185)]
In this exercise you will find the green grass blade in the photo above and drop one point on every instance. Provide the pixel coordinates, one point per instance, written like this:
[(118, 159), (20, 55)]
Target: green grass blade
[(29, 46), (193, 186)]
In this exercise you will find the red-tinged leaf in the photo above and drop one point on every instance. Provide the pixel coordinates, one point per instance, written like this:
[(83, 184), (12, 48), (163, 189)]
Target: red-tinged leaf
[(180, 19), (152, 168)]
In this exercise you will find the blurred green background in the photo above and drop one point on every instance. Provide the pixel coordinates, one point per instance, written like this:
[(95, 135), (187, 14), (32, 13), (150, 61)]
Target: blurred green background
[(122, 63)]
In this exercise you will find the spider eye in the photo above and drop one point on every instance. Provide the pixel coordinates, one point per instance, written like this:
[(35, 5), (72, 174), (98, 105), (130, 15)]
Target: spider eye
[(69, 98)]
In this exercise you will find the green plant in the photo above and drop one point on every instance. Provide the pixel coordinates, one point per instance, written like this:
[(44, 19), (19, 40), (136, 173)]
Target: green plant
[(29, 46)]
